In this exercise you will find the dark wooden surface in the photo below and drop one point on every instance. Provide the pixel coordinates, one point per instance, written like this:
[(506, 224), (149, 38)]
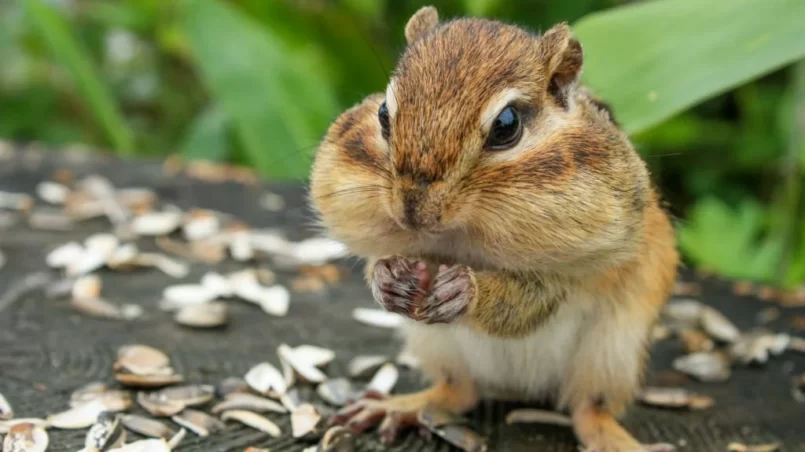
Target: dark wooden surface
[(47, 350)]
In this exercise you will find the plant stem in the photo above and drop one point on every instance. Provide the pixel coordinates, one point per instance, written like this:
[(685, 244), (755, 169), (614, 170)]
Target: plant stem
[(793, 173)]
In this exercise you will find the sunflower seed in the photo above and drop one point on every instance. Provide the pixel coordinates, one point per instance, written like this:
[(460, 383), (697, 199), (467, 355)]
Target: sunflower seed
[(265, 377), (377, 317), (171, 267), (26, 437), (796, 344), (102, 190), (88, 286), (88, 392), (15, 201), (366, 365), (5, 426), (198, 422), (52, 192), (253, 420), (104, 243), (81, 416), (200, 224), (288, 373), (274, 300), (384, 380), (231, 385), (675, 398), (217, 283), (156, 223), (147, 381), (147, 426), (686, 312), (6, 412), (107, 432), (113, 400), (304, 420), (176, 439), (137, 198), (189, 395), (50, 219), (207, 315), (89, 261), (178, 296), (706, 367), (336, 392), (739, 447), (123, 257), (432, 418), (695, 341), (337, 439), (249, 402), (98, 307), (241, 246), (718, 326), (534, 416), (756, 346), (144, 445), (303, 368), (158, 406), (317, 251), (462, 437), (140, 359), (315, 356), (291, 399)]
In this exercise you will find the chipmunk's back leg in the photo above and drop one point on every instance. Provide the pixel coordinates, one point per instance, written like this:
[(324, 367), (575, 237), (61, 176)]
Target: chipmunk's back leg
[(608, 365)]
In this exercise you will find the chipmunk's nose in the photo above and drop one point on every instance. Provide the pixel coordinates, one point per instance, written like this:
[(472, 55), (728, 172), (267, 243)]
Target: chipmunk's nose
[(420, 209)]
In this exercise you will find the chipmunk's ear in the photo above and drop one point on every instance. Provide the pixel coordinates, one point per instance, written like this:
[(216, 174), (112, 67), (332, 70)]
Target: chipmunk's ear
[(423, 21), (563, 59)]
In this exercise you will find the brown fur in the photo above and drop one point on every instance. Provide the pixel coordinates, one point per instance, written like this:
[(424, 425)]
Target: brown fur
[(568, 217)]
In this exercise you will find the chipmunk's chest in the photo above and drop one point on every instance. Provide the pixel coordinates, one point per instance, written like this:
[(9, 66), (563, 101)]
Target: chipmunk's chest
[(527, 368)]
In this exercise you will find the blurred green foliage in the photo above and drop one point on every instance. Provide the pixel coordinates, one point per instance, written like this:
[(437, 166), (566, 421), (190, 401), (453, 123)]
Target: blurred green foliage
[(257, 82)]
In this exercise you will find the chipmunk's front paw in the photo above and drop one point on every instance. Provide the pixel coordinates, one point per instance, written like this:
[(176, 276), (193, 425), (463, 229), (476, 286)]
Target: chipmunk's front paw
[(399, 284), (450, 296)]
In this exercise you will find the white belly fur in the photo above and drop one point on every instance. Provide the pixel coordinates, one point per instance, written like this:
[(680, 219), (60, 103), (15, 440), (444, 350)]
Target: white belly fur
[(529, 368)]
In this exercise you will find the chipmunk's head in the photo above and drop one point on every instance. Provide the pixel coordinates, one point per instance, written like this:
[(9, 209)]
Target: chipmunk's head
[(483, 129)]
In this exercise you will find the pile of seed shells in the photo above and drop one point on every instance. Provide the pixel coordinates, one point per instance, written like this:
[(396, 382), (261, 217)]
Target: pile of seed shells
[(139, 220), (175, 408)]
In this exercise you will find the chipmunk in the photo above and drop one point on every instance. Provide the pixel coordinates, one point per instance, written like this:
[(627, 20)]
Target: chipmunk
[(506, 216)]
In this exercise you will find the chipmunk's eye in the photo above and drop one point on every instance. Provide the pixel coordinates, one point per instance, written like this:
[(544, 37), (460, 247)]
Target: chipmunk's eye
[(383, 117), (506, 130)]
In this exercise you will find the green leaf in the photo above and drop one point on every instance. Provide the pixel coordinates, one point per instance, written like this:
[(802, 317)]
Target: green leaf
[(368, 9), (730, 241), (480, 7), (68, 50), (654, 59), (207, 138), (279, 105)]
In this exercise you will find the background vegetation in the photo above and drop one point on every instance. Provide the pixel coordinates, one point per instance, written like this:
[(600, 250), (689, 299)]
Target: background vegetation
[(710, 91)]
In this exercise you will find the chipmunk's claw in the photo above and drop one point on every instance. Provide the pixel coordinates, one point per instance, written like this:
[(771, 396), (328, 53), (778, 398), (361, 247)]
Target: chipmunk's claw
[(393, 416), (399, 284), (451, 294)]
